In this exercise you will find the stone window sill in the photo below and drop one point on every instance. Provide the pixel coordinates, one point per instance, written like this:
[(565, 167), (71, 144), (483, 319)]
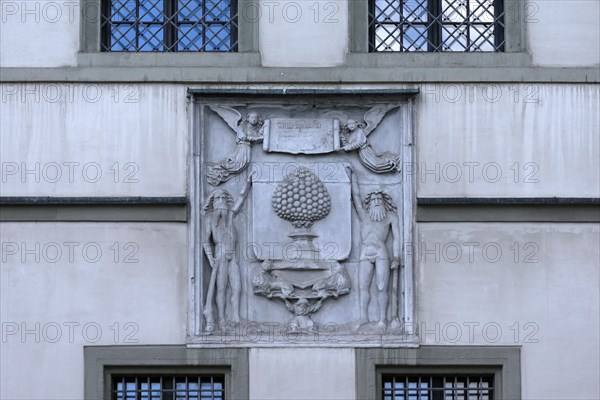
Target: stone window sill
[(182, 60)]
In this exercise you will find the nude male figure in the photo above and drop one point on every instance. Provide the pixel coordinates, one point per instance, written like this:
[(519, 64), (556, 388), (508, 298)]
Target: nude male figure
[(220, 240), (378, 218)]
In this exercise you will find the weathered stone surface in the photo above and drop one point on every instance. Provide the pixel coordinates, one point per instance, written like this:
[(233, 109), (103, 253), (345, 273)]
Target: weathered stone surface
[(270, 233), (302, 136), (303, 236)]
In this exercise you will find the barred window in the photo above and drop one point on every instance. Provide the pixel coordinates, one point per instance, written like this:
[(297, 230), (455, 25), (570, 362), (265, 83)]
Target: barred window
[(436, 25), (169, 25), (153, 387), (438, 387)]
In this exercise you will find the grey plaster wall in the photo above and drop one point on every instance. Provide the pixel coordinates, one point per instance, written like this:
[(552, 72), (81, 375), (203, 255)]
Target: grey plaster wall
[(64, 286), (508, 141), (557, 40), (475, 140), (546, 301), (534, 285), (302, 374), (93, 140), (303, 34)]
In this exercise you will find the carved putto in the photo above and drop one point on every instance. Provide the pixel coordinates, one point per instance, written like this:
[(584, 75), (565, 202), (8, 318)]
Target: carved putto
[(248, 131), (354, 136), (301, 321)]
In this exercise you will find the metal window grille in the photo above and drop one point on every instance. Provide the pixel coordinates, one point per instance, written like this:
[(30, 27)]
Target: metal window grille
[(436, 25), (169, 25), (438, 387), (168, 387)]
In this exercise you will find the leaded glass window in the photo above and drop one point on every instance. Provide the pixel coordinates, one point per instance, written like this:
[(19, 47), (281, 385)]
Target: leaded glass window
[(436, 25), (169, 25)]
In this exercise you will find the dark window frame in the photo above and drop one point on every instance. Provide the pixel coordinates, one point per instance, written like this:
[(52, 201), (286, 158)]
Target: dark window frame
[(437, 371), (169, 25), (90, 53), (104, 362), (503, 361), (514, 54), (112, 373), (434, 25)]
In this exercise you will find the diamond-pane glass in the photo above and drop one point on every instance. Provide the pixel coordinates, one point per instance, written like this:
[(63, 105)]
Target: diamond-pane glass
[(190, 38), (387, 11), (151, 11), (151, 38), (482, 11), (484, 40), (436, 25), (189, 10), (454, 38), (169, 25), (216, 37), (386, 37), (123, 10), (217, 10), (415, 11), (124, 37), (415, 38), (454, 11)]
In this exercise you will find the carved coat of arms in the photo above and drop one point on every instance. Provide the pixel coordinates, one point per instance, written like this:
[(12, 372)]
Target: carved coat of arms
[(305, 226)]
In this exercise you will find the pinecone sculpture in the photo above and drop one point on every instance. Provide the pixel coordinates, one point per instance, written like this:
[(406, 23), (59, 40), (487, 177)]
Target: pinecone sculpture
[(301, 198)]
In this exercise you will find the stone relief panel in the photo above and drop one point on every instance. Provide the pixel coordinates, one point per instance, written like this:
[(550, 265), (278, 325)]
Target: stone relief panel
[(300, 240)]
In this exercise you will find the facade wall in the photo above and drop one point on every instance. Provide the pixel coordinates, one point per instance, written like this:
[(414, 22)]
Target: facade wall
[(39, 34), (330, 372), (69, 285), (290, 33), (530, 140), (523, 284), (94, 140), (533, 284), (497, 140), (83, 137), (562, 33)]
